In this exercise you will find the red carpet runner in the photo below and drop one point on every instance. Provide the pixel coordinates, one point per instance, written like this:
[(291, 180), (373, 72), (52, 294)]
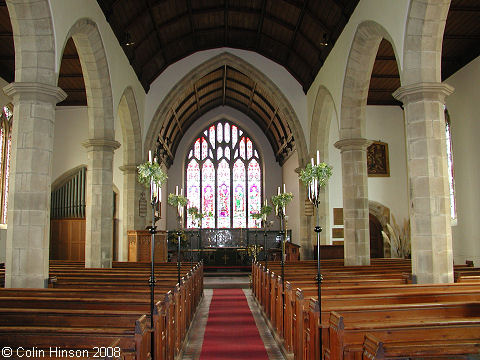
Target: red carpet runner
[(231, 332)]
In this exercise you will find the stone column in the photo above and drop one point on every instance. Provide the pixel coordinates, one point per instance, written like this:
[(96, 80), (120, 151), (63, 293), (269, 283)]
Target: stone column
[(355, 200), (28, 217), (99, 211), (431, 234), (132, 191)]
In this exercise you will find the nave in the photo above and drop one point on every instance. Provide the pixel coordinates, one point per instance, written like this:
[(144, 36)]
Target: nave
[(369, 312)]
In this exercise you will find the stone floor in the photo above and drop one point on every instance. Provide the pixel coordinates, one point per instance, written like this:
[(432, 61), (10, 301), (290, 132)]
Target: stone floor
[(193, 346), (226, 282)]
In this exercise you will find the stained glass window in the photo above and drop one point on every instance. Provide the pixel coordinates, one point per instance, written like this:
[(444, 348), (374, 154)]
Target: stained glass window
[(227, 189), (5, 149), (451, 178)]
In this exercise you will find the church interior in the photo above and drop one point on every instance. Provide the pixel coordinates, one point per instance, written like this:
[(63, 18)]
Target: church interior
[(235, 103)]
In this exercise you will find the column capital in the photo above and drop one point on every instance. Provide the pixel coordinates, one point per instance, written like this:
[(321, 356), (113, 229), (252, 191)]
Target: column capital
[(352, 144), (128, 169), (101, 144), (35, 90), (423, 91)]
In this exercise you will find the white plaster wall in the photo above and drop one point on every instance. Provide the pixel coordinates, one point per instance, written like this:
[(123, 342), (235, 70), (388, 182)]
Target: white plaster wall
[(292, 184), (386, 123), (335, 194), (65, 14), (290, 87), (71, 129), (271, 169), (391, 14), (463, 108)]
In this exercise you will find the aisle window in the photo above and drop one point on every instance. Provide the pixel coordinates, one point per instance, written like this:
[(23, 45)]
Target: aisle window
[(5, 148), (451, 177), (224, 177)]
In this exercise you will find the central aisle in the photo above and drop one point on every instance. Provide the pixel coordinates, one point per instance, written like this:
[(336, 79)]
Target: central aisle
[(231, 332)]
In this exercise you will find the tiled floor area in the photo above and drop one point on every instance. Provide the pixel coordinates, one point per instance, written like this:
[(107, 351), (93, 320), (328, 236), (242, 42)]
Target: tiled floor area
[(193, 347)]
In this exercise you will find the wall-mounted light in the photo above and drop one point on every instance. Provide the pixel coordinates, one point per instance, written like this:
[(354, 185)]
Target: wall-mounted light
[(127, 39), (324, 41)]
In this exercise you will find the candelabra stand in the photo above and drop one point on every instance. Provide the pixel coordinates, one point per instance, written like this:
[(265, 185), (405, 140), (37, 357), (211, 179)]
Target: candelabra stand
[(265, 252), (179, 262), (151, 281), (314, 197)]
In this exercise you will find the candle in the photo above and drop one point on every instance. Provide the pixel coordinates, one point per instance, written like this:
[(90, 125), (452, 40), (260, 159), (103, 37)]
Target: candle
[(150, 156), (318, 157), (313, 162), (278, 190), (284, 188), (176, 190), (181, 191), (159, 194)]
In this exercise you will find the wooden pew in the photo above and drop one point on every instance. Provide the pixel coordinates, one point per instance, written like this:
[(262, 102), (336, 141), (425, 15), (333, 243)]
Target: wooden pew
[(375, 348), (134, 341), (347, 334)]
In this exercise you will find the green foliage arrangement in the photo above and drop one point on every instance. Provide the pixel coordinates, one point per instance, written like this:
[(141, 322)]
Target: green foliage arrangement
[(320, 172), (264, 211), (253, 250), (151, 171), (282, 200), (176, 200), (196, 215), (173, 238)]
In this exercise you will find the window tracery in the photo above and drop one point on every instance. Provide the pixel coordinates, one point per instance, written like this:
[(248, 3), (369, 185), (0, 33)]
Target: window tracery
[(224, 177)]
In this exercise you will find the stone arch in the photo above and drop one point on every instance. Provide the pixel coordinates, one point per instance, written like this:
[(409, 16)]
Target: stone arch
[(93, 60), (380, 211), (249, 70), (132, 156), (131, 130), (101, 143), (353, 144), (358, 72), (323, 111), (382, 214), (423, 41), (34, 41)]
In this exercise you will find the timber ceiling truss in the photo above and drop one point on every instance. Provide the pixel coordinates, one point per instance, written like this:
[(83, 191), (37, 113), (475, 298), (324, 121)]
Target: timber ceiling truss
[(225, 86), (290, 32)]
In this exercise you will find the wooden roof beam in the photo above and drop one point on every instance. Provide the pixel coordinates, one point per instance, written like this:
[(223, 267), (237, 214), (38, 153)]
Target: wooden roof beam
[(260, 24), (177, 121), (295, 33), (271, 119), (196, 97), (250, 101), (284, 145), (224, 84)]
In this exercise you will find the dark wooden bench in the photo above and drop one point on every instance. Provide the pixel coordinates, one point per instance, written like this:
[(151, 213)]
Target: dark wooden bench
[(375, 348)]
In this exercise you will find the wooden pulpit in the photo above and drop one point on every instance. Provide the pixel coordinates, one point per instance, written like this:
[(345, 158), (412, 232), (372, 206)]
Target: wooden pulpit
[(292, 251), (139, 248)]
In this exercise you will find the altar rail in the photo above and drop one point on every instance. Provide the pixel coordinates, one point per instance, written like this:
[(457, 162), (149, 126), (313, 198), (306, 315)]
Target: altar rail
[(203, 242)]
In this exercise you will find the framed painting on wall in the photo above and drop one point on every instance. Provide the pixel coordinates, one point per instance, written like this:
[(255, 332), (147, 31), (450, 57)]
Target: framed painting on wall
[(377, 159)]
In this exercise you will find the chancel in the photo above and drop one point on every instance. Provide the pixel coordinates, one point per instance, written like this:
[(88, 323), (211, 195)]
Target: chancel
[(239, 179)]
